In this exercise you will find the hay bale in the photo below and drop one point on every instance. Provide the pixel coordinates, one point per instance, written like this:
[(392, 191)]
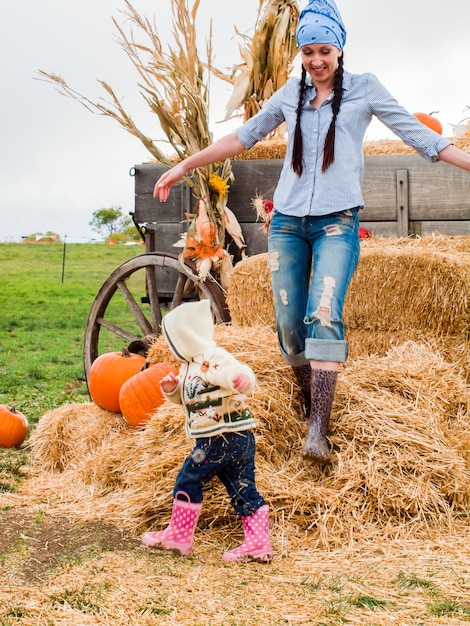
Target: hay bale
[(402, 288), (400, 430), (70, 432), (272, 148), (453, 349), (400, 424), (249, 296), (399, 287), (275, 148), (396, 146)]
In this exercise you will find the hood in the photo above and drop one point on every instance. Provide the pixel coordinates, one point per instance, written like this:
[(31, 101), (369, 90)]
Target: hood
[(189, 329)]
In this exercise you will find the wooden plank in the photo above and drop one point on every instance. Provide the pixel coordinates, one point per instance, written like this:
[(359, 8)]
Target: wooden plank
[(445, 227), (146, 175), (385, 229), (438, 196), (402, 202), (166, 235), (252, 178), (440, 212), (379, 190), (255, 238), (439, 187), (387, 214), (148, 209), (380, 214)]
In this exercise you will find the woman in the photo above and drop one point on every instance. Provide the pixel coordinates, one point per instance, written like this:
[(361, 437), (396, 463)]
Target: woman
[(313, 243)]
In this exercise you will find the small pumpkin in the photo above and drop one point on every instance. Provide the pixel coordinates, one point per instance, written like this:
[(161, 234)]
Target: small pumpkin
[(141, 395), (430, 121), (108, 373), (13, 427)]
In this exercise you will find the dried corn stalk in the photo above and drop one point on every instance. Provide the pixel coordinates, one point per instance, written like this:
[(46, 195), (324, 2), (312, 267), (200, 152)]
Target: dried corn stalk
[(174, 85), (267, 58)]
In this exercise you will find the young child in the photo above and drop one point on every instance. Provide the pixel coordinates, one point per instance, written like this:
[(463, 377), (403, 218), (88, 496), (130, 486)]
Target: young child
[(212, 386)]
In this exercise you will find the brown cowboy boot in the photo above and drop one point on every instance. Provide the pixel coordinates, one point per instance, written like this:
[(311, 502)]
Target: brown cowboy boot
[(303, 375), (323, 387)]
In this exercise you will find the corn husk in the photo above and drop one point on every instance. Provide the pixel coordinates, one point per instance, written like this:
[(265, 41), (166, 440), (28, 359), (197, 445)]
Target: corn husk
[(267, 59)]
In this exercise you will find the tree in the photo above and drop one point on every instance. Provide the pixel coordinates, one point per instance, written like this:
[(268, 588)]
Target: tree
[(106, 222), (131, 233)]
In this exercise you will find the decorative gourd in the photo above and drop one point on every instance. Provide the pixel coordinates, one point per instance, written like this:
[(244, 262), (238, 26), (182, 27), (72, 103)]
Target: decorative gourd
[(141, 395), (430, 121), (108, 373), (13, 427)]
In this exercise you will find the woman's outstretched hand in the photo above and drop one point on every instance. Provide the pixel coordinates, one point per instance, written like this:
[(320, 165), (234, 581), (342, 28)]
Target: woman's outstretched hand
[(222, 149), (167, 180)]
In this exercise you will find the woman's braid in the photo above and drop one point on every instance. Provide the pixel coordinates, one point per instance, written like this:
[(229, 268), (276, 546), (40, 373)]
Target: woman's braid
[(329, 147), (297, 150)]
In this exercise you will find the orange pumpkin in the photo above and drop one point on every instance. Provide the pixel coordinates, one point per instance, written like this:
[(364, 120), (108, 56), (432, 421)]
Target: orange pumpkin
[(430, 121), (141, 395), (13, 427), (108, 373)]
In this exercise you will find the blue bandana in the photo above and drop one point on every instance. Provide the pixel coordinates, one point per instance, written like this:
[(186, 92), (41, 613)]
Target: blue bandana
[(321, 22)]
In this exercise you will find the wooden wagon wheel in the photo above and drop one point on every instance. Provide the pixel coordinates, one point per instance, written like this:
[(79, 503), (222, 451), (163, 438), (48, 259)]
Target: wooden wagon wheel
[(131, 301)]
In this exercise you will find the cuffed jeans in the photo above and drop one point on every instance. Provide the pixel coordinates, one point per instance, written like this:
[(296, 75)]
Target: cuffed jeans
[(230, 457), (312, 261)]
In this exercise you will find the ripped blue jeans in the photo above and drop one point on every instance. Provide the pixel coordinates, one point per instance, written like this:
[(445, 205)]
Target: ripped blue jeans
[(230, 457), (312, 261)]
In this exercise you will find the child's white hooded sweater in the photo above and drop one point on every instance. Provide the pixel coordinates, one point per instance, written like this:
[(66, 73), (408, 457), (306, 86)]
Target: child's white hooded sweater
[(213, 406)]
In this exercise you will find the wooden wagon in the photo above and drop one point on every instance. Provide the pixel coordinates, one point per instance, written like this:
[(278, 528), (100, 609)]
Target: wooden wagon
[(404, 195)]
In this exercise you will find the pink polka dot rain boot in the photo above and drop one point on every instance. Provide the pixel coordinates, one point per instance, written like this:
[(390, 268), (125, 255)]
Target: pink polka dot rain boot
[(256, 545), (179, 535)]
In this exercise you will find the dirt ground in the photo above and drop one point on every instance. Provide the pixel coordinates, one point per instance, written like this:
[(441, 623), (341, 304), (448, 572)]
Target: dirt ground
[(58, 570), (46, 543)]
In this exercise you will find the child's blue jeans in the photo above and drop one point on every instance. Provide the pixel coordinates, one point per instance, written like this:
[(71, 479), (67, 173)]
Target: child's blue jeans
[(230, 457)]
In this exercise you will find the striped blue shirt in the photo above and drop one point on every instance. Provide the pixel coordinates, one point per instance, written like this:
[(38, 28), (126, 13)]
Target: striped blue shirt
[(339, 188)]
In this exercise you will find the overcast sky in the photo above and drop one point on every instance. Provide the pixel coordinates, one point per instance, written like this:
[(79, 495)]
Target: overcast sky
[(60, 163)]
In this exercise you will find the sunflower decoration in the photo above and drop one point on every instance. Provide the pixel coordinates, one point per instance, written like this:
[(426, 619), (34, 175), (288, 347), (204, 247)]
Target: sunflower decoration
[(219, 187)]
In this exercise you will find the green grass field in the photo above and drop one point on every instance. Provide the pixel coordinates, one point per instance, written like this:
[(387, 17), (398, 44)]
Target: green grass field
[(47, 291), (46, 295)]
